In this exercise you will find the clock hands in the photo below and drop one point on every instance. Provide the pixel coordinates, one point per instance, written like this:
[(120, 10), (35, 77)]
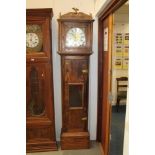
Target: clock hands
[(75, 37)]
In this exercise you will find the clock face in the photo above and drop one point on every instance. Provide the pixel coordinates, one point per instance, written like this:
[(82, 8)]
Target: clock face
[(34, 38), (75, 38)]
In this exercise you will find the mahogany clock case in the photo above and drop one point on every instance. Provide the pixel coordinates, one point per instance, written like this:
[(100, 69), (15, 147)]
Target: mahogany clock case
[(64, 29), (40, 123), (75, 47), (42, 19)]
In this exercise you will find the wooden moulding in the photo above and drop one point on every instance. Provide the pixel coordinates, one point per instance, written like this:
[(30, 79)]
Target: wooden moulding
[(48, 12), (42, 147), (104, 108), (75, 140), (40, 137), (71, 16), (76, 54)]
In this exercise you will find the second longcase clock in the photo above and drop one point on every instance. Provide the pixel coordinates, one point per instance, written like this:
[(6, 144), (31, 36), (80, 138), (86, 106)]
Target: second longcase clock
[(75, 47), (40, 123)]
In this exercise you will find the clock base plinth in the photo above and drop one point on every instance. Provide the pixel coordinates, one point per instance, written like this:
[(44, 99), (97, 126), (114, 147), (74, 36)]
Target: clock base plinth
[(75, 140), (42, 147)]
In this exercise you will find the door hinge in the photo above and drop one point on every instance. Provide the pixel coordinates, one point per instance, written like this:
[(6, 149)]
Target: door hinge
[(84, 119), (110, 137)]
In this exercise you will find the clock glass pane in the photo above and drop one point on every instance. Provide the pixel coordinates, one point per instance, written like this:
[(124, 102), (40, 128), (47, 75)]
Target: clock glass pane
[(36, 104), (34, 38), (75, 95), (75, 37)]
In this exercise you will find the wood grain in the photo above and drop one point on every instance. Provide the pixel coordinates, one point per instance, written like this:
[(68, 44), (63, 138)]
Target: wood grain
[(40, 126), (104, 73), (72, 140), (75, 72)]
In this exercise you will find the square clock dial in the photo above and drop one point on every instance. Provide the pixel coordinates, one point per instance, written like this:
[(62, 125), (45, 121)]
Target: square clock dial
[(75, 37)]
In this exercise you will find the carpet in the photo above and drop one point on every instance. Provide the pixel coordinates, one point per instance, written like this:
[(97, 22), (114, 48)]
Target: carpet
[(117, 130)]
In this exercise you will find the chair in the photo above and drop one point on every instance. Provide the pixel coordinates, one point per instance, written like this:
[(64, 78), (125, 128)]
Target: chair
[(122, 84)]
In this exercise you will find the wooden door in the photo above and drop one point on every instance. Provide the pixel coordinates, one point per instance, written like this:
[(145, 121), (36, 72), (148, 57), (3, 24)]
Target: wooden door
[(39, 109), (106, 74), (38, 90)]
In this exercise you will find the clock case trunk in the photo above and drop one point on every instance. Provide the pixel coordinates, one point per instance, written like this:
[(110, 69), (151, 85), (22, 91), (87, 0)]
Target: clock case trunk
[(75, 83), (40, 123)]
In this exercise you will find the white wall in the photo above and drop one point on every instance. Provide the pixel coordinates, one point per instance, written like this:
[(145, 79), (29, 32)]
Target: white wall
[(99, 6), (93, 83), (39, 3), (65, 6)]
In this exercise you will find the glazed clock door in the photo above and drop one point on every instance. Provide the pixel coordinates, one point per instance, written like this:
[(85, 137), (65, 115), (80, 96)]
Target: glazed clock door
[(76, 86), (39, 110), (38, 90)]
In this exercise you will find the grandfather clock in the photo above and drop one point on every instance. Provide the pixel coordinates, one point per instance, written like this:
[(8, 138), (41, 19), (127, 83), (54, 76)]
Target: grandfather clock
[(40, 125), (75, 47)]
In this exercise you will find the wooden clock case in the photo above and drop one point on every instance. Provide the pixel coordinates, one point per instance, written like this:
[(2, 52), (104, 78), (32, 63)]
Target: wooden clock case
[(40, 124), (75, 80)]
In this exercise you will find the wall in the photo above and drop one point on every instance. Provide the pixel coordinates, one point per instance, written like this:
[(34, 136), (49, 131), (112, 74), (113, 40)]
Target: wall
[(99, 6), (39, 3), (65, 6)]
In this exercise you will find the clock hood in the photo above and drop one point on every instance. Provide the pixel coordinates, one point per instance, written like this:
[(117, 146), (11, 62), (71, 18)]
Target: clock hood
[(71, 16)]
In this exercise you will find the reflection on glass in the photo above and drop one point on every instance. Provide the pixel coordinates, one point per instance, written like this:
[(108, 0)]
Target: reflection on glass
[(34, 38), (36, 102), (75, 37), (75, 95)]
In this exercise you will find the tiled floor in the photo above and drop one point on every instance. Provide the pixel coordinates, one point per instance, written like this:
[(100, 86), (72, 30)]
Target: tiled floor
[(94, 150)]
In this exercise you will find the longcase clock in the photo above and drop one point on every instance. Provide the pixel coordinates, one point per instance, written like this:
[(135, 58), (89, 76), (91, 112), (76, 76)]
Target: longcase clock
[(75, 47), (40, 124)]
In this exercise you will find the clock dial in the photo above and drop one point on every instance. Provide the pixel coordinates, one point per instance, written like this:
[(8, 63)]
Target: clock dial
[(34, 38), (75, 38)]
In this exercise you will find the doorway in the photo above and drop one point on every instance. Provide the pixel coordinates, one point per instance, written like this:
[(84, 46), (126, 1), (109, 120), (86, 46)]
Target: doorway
[(120, 58), (112, 64)]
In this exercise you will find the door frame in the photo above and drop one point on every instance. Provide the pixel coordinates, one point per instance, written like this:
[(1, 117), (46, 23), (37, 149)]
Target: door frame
[(109, 10)]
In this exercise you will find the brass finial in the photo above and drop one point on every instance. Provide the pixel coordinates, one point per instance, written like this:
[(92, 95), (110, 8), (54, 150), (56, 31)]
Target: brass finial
[(76, 10), (60, 15)]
